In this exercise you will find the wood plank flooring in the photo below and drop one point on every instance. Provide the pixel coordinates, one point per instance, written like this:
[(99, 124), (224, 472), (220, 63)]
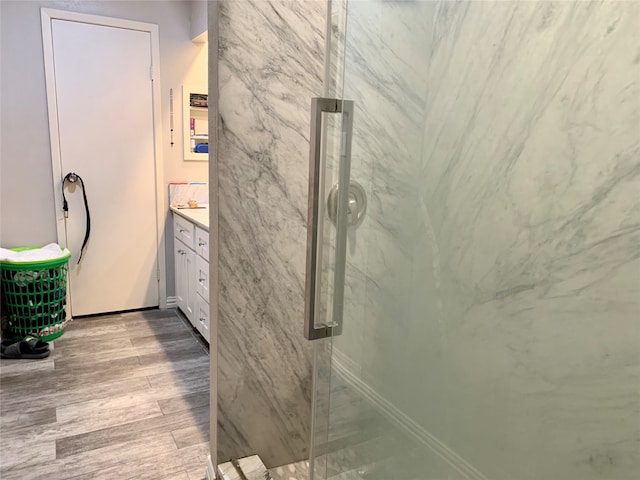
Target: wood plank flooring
[(120, 397)]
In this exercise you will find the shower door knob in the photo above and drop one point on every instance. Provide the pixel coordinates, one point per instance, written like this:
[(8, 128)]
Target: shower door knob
[(356, 204)]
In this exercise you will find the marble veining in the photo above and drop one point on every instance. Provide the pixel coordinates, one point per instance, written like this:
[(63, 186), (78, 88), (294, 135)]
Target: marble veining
[(181, 193), (270, 65), (493, 291)]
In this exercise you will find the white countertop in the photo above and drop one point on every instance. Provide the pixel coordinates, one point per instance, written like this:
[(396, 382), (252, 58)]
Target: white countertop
[(199, 216)]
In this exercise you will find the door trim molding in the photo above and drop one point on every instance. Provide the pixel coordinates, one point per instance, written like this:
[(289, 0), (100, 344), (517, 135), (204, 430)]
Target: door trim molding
[(49, 14)]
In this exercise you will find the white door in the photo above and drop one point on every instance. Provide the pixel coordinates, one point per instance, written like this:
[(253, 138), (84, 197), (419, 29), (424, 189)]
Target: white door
[(105, 123)]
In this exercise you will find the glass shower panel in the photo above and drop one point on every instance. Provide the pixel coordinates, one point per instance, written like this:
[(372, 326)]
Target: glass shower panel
[(491, 324)]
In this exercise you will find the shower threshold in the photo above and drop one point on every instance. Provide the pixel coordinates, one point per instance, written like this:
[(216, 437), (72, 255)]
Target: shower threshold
[(252, 468)]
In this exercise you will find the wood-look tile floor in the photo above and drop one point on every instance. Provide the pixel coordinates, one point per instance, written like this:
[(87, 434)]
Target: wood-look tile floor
[(120, 397)]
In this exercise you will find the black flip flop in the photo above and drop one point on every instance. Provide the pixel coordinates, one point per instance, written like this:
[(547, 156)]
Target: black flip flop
[(28, 348)]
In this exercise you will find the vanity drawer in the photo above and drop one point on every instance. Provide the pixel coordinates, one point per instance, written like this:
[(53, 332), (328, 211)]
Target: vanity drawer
[(202, 243), (184, 230), (202, 277), (202, 318)]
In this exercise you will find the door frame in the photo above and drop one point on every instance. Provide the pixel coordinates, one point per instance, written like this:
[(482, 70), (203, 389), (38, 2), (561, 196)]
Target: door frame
[(47, 15)]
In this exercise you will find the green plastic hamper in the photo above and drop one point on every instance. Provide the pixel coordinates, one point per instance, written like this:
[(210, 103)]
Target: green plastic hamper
[(34, 296)]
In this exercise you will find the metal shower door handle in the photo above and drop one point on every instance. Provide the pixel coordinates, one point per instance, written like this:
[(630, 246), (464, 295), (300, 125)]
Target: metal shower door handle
[(313, 331)]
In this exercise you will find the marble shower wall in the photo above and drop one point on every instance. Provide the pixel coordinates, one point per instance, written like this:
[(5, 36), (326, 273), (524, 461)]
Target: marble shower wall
[(495, 282), (271, 58), (384, 76)]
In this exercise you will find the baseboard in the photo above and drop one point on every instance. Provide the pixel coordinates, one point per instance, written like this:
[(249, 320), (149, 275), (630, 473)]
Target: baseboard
[(172, 302), (347, 370), (211, 470)]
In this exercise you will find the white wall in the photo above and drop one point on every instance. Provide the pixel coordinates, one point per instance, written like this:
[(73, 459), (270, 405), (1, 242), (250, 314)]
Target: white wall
[(199, 21), (26, 189)]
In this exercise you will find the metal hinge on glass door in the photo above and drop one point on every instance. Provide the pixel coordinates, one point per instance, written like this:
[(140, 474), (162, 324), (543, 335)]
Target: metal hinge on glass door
[(332, 323)]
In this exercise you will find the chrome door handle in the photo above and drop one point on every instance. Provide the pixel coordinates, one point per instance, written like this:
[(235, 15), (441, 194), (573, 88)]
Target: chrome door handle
[(313, 331)]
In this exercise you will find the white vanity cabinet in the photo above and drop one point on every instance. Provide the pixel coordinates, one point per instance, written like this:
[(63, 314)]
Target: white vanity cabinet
[(191, 254)]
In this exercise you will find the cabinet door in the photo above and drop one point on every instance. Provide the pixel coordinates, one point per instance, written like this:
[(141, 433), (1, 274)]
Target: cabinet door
[(190, 270), (180, 273), (185, 279)]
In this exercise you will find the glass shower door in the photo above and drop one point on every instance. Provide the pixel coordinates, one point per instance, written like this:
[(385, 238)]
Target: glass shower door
[(489, 324)]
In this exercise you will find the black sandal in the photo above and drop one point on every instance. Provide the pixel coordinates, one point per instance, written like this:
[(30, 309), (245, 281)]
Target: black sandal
[(28, 348)]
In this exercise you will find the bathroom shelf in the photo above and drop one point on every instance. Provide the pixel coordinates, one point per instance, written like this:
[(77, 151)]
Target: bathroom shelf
[(198, 116)]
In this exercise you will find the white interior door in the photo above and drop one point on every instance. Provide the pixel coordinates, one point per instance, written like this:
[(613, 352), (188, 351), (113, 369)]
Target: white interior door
[(104, 100)]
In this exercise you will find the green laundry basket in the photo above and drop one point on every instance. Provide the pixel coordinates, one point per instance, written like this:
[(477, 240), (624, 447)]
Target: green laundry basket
[(34, 296)]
